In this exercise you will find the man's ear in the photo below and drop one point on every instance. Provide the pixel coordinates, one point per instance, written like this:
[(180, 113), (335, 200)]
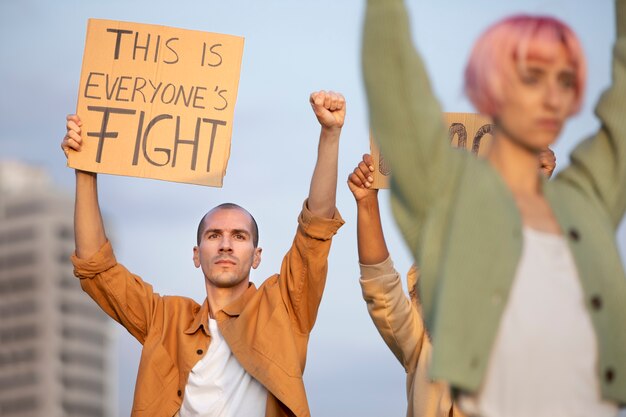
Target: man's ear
[(256, 261), (196, 256)]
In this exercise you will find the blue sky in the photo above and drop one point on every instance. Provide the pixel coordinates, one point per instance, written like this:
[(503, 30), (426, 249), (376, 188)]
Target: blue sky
[(291, 49)]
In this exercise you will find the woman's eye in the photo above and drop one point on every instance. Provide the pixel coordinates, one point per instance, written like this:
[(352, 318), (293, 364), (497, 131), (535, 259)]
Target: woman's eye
[(530, 75), (567, 82), (530, 79)]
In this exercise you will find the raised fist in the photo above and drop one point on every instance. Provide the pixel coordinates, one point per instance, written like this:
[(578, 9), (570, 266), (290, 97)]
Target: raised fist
[(329, 108)]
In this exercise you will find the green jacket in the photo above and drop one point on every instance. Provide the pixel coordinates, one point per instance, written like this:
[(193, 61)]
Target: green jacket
[(461, 222)]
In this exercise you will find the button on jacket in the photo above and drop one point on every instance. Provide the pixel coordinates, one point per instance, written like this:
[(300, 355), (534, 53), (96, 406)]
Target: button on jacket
[(267, 329), (460, 219)]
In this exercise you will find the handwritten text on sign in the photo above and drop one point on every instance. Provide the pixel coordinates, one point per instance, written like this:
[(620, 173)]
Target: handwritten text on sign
[(465, 130), (157, 102)]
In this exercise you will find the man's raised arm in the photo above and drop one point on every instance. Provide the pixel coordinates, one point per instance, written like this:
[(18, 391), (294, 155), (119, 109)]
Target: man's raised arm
[(305, 266), (399, 324), (330, 110), (125, 297), (89, 232)]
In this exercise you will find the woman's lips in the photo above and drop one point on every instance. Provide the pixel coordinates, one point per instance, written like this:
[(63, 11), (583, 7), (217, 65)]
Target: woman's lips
[(549, 124)]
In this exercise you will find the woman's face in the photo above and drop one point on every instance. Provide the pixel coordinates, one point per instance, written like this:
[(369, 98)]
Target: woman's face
[(538, 100)]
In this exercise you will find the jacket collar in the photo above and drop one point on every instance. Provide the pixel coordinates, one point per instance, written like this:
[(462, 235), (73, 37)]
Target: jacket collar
[(201, 317), (235, 308)]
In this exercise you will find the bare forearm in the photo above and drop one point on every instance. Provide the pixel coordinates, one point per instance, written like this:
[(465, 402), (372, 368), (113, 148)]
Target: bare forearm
[(323, 190), (89, 231), (370, 237)]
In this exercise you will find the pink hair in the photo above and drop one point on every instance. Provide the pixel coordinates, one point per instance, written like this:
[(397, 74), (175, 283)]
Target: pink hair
[(505, 46)]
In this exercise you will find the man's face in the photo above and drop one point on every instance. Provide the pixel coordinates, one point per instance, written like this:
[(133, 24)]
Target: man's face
[(226, 251), (538, 100)]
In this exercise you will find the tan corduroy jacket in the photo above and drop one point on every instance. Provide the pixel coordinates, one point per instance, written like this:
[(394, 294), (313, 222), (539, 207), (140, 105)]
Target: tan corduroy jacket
[(399, 321), (267, 328)]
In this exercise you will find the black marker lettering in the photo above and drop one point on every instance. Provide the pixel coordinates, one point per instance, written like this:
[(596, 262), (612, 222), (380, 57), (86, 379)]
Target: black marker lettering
[(163, 99), (156, 89), (167, 44), (459, 130), (89, 84), (194, 142), (109, 91), (137, 46), (216, 62), (145, 140), (138, 139), (103, 134), (122, 88), (181, 92), (197, 97), (484, 130), (118, 40), (156, 50), (137, 89), (219, 62), (215, 123), (219, 93)]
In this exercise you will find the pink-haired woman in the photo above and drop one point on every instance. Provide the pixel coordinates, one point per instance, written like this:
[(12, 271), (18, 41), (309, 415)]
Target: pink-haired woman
[(522, 287)]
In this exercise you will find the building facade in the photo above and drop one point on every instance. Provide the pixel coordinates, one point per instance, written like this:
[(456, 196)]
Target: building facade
[(55, 344)]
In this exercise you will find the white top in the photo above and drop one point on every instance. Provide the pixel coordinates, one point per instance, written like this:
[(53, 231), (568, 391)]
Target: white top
[(219, 386), (544, 358)]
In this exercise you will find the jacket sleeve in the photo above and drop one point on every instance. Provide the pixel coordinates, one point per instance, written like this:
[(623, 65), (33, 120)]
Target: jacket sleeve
[(598, 164), (397, 320), (303, 271), (123, 296), (405, 117)]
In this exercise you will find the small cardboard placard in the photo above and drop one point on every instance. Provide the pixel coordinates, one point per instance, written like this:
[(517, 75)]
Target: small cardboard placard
[(465, 130), (157, 102)]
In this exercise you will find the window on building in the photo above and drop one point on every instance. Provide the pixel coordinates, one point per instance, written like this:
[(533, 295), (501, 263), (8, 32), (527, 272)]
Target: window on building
[(68, 282), (84, 310), (16, 235), (82, 359), (88, 410), (83, 384), (24, 209), (17, 356), (18, 333), (64, 258), (24, 379), (86, 335), (16, 260), (17, 284), (17, 309), (18, 405), (65, 232)]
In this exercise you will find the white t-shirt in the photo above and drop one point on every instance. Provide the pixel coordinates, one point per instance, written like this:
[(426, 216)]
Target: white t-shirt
[(219, 386), (544, 359)]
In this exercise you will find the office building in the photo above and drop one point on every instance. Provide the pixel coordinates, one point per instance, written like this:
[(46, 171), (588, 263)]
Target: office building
[(55, 343)]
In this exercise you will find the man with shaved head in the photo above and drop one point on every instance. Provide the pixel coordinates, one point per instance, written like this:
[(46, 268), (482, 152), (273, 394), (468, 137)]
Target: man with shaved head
[(243, 351)]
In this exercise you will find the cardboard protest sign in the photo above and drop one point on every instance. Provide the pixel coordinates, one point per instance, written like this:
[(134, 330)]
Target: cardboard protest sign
[(465, 130), (157, 102)]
